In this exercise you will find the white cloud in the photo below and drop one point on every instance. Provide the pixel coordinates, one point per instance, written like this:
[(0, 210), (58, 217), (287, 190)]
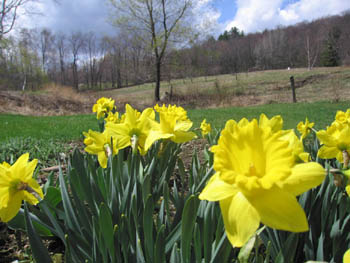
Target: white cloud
[(92, 15), (257, 15), (68, 16), (206, 17)]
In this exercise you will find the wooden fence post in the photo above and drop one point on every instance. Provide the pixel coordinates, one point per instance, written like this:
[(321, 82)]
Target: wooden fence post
[(293, 89)]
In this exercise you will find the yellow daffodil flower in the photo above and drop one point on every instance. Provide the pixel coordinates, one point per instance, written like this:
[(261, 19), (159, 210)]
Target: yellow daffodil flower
[(335, 140), (134, 130), (174, 125), (343, 117), (102, 107), (257, 180), (177, 111), (100, 144), (112, 117), (205, 127), (305, 129), (296, 146), (17, 184), (346, 258)]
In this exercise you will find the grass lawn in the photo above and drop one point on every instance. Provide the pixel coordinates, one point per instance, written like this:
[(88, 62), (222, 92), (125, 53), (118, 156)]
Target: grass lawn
[(70, 128), (322, 113), (62, 128)]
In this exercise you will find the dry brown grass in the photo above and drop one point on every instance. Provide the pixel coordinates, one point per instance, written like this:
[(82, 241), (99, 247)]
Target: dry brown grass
[(245, 89), (66, 92), (51, 100)]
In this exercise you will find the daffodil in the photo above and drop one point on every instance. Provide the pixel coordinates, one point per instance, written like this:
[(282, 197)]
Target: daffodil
[(100, 144), (134, 130), (177, 111), (103, 106), (346, 258), (17, 184), (174, 125), (343, 117), (335, 141), (305, 128), (296, 145), (205, 127), (257, 180), (112, 117)]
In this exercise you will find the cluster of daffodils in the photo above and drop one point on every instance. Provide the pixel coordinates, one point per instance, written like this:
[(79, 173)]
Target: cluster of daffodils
[(260, 169), (103, 106), (139, 130), (335, 140)]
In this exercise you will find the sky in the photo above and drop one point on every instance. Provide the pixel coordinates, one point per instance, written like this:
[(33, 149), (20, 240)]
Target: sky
[(248, 15)]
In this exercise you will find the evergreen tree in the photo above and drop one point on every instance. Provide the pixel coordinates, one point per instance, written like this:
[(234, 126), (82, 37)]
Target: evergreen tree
[(330, 54), (232, 34)]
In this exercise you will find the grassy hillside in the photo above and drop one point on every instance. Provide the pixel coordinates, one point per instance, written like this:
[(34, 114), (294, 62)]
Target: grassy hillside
[(245, 89)]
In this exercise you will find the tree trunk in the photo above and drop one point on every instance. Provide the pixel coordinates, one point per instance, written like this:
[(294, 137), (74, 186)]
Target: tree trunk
[(157, 89), (24, 82)]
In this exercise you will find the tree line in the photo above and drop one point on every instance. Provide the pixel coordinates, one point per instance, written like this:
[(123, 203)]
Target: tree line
[(87, 61)]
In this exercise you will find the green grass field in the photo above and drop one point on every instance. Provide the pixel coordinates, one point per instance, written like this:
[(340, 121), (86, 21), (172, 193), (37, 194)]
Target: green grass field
[(70, 128), (61, 128), (322, 113)]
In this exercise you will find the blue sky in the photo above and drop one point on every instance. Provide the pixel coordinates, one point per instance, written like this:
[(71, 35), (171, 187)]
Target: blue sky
[(227, 9), (257, 15), (248, 15)]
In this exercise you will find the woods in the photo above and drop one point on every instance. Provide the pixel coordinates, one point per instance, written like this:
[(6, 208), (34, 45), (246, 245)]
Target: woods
[(130, 57)]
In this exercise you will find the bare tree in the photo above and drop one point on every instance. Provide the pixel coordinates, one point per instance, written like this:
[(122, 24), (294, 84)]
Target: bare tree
[(91, 49), (9, 14), (46, 40), (61, 45), (161, 19), (313, 41), (76, 43)]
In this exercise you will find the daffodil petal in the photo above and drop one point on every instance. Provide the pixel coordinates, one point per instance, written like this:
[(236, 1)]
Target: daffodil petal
[(326, 152), (154, 136), (217, 189), (304, 177), (4, 196), (346, 258), (183, 125), (304, 157), (325, 138), (241, 220), (30, 198), (279, 209), (30, 169), (183, 136), (18, 168), (36, 187), (10, 211), (102, 159)]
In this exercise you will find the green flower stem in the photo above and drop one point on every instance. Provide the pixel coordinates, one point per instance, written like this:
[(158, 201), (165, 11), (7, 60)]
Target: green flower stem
[(56, 227), (346, 159)]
